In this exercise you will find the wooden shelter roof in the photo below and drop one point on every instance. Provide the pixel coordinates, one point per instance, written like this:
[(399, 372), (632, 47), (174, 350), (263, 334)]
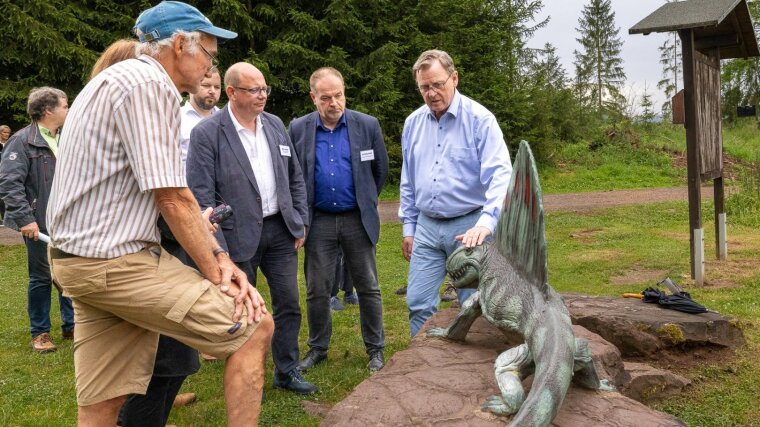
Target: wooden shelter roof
[(723, 24)]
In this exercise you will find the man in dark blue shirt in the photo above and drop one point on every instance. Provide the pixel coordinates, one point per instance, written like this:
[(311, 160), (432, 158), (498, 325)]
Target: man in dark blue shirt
[(344, 164)]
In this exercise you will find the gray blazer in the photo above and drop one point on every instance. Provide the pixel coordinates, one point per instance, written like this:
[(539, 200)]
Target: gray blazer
[(218, 171), (369, 176)]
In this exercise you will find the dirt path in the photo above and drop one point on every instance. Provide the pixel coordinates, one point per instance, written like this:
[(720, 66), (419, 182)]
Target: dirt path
[(577, 202), (581, 202)]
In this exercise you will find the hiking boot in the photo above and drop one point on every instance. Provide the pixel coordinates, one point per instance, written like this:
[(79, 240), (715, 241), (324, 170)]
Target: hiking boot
[(351, 298), (293, 381), (401, 290), (184, 399), (313, 357), (335, 304), (376, 361), (450, 294), (68, 335), (43, 344)]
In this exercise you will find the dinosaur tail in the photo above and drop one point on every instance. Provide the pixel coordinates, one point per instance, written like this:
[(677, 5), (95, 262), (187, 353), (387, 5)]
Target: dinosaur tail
[(552, 345)]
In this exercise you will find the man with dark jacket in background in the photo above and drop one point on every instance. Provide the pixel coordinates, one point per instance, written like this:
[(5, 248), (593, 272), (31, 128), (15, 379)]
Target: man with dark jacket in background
[(26, 177)]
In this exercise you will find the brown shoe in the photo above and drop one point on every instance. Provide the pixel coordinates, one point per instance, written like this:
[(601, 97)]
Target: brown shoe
[(184, 399), (208, 358), (43, 344), (68, 335)]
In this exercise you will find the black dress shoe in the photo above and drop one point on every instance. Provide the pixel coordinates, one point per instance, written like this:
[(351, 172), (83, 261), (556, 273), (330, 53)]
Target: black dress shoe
[(312, 358), (376, 361), (293, 381)]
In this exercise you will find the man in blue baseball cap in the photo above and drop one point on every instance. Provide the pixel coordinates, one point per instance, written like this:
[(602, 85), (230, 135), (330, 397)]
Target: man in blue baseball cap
[(105, 252)]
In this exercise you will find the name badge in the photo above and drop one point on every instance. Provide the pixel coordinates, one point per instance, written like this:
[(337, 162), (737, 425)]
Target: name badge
[(285, 150), (367, 155)]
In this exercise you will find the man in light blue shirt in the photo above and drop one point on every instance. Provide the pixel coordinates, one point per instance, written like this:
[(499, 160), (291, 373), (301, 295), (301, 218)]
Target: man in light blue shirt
[(454, 177)]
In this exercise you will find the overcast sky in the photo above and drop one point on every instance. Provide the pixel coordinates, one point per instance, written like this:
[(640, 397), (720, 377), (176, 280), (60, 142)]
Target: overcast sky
[(640, 55)]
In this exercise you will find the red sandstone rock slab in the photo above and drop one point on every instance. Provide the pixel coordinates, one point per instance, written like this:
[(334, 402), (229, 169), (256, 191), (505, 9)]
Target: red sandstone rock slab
[(441, 383), (640, 329)]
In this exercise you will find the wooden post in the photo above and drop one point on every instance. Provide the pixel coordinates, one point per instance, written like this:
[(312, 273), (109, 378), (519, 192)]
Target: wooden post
[(696, 233), (721, 244)]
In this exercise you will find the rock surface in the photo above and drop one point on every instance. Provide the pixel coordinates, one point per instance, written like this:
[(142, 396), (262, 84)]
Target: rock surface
[(442, 383), (640, 329), (648, 384)]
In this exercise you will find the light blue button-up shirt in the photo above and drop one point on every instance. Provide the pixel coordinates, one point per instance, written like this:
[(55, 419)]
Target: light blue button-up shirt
[(454, 165)]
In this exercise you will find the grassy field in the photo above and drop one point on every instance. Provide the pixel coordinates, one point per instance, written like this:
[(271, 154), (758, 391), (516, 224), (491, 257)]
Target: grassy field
[(585, 251)]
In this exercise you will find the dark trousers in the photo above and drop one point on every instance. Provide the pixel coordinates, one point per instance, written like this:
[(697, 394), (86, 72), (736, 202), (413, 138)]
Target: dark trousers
[(174, 362), (328, 235), (342, 278), (278, 260), (40, 287)]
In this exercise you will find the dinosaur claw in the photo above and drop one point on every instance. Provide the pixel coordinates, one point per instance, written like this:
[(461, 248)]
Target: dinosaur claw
[(438, 332), (497, 405)]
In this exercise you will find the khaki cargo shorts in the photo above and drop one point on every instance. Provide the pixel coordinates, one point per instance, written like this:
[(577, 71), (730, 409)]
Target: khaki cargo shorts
[(122, 304)]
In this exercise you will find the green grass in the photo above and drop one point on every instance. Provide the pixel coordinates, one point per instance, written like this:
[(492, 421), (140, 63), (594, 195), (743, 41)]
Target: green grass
[(585, 251)]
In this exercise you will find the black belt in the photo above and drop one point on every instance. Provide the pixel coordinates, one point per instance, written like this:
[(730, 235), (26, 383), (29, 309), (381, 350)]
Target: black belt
[(276, 215), (455, 217), (56, 253)]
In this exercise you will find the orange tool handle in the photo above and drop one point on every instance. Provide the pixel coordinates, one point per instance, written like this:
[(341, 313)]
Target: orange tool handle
[(630, 295)]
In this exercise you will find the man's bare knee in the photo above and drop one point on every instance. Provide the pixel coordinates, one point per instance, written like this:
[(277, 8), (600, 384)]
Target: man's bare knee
[(262, 336), (101, 413)]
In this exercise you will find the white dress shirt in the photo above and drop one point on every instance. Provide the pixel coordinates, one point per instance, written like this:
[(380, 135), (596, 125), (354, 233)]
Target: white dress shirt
[(189, 119), (257, 148)]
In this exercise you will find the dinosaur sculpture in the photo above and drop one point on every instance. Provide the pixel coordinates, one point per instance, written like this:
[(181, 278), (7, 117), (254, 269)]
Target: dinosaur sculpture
[(510, 274)]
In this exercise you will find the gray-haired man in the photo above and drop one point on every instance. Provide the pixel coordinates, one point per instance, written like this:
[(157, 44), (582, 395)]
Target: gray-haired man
[(26, 177), (120, 168)]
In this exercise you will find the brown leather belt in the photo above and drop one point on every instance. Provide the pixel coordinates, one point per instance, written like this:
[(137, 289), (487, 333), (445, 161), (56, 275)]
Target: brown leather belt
[(56, 253)]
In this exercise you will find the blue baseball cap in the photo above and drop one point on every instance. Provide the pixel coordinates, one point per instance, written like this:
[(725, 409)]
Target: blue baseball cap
[(161, 21)]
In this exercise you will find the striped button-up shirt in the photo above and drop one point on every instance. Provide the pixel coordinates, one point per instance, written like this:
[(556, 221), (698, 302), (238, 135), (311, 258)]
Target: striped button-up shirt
[(122, 140)]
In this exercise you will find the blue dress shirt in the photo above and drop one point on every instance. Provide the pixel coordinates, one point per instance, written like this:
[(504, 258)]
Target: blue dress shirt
[(454, 165), (333, 177)]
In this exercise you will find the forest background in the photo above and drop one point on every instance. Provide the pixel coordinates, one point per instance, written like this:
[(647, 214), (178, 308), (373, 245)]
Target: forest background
[(374, 44)]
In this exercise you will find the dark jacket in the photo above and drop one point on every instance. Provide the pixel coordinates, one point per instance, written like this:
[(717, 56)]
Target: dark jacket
[(364, 135), (26, 177), (218, 171)]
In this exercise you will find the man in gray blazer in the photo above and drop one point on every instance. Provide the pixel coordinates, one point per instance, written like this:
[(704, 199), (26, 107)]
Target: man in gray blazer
[(345, 164), (242, 156)]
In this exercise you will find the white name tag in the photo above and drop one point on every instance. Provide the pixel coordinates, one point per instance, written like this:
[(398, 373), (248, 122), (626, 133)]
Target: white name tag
[(284, 150), (367, 155)]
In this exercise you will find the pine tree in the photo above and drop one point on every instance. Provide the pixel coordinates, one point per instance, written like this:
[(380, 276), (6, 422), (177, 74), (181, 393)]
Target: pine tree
[(672, 73), (647, 115), (599, 66)]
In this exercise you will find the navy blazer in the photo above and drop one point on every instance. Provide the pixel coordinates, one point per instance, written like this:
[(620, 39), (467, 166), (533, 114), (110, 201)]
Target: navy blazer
[(218, 171), (369, 176)]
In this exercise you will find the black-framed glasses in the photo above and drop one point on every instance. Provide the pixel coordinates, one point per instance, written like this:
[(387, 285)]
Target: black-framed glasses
[(212, 58), (437, 86), (256, 90)]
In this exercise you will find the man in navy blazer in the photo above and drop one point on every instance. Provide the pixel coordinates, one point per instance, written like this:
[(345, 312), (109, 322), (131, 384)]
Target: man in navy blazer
[(345, 163), (243, 157)]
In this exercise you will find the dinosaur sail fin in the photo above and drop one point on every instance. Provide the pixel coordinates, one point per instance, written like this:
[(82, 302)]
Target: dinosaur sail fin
[(520, 230)]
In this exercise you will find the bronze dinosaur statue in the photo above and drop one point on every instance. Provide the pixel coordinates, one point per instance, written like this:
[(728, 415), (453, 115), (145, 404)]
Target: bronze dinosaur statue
[(510, 274)]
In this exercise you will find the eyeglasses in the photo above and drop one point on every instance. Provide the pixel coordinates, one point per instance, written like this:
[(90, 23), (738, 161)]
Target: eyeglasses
[(212, 58), (256, 90), (437, 86)]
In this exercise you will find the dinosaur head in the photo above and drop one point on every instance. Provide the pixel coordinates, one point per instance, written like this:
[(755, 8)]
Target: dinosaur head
[(463, 266)]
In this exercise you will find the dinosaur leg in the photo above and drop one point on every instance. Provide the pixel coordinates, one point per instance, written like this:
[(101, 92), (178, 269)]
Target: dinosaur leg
[(511, 368), (584, 371), (458, 329)]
